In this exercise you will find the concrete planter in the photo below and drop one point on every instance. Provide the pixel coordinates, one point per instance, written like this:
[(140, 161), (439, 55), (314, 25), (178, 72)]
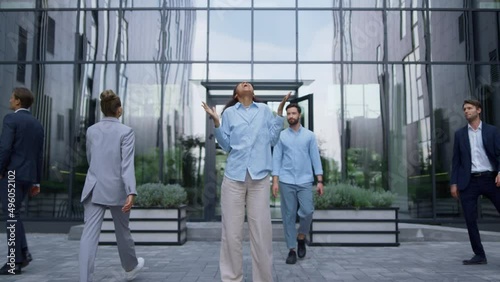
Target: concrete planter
[(150, 226), (351, 227)]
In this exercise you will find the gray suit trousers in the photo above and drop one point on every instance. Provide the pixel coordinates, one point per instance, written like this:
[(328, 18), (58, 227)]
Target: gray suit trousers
[(94, 215)]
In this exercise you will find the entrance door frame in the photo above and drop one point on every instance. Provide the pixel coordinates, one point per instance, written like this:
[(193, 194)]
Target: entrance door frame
[(210, 187)]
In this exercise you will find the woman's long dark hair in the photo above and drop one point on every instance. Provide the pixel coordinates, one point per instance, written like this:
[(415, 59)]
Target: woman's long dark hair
[(234, 100)]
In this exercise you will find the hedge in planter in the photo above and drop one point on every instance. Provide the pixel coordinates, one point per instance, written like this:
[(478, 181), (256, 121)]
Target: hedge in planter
[(158, 217), (351, 216)]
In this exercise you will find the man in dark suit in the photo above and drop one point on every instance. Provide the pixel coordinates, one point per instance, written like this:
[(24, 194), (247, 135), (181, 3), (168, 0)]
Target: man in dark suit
[(475, 171), (21, 147)]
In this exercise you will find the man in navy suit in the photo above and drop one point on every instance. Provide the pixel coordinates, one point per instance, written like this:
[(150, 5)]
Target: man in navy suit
[(21, 148), (475, 171)]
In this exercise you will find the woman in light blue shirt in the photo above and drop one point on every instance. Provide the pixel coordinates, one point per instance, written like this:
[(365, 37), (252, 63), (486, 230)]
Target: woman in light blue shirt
[(247, 132)]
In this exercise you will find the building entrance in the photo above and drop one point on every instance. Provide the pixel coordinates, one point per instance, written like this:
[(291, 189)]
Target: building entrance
[(218, 93)]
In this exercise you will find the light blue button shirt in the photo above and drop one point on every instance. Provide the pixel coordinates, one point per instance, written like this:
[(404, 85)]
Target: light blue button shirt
[(295, 155), (247, 134)]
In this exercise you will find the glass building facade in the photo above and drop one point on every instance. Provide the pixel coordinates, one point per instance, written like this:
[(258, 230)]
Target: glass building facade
[(381, 83)]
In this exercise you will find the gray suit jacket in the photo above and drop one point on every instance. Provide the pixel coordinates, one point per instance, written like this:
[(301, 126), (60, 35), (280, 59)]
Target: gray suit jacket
[(110, 154)]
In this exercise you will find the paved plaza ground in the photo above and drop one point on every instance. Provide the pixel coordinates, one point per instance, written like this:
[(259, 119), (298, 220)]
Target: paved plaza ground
[(56, 259)]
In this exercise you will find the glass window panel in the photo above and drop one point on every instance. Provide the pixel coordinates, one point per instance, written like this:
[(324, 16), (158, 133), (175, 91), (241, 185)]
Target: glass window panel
[(397, 140), (364, 33), (143, 96), (362, 3), (450, 87), (409, 142), (363, 127), (274, 35), (448, 36), (405, 3), (58, 36), (447, 4), (159, 4), (274, 71), (230, 35), (230, 3), (54, 4), (17, 41), (487, 90), (274, 3), (319, 3), (17, 4), (229, 71), (486, 4), (322, 81), (184, 36), (486, 37), (408, 45), (99, 39), (319, 36)]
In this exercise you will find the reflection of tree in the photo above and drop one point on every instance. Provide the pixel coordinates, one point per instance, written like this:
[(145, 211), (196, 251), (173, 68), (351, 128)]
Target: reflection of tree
[(146, 167), (364, 168), (191, 166)]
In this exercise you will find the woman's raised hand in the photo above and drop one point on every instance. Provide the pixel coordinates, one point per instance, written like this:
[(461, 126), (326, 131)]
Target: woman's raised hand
[(282, 104), (212, 113)]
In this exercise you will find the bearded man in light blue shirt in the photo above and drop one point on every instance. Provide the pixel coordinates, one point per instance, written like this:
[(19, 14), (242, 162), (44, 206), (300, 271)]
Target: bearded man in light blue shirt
[(295, 156), (247, 132)]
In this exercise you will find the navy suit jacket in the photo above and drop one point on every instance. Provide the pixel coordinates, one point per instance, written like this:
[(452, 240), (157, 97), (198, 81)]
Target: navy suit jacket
[(21, 146), (462, 161)]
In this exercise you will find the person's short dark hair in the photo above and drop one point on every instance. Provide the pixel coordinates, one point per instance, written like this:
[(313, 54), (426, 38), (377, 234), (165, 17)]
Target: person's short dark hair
[(294, 105), (24, 95), (475, 103), (110, 102)]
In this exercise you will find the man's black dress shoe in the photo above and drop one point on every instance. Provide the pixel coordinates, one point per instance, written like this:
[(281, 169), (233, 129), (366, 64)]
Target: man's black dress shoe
[(301, 248), (292, 257), (475, 260), (27, 259), (7, 270)]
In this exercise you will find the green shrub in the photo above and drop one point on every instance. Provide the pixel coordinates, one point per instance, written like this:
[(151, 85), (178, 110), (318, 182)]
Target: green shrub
[(160, 195), (350, 196)]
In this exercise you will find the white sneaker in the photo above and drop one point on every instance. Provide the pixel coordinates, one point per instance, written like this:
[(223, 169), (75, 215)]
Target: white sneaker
[(130, 275)]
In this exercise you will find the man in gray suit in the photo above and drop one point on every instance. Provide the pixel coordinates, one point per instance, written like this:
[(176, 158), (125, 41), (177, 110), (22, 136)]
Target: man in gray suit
[(110, 182)]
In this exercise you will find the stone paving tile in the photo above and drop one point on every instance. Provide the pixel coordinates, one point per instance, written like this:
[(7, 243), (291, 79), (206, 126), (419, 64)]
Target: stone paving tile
[(56, 260)]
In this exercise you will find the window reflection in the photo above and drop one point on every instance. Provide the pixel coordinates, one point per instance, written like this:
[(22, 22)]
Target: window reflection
[(274, 3), (319, 3), (448, 4), (229, 71), (230, 3), (229, 35), (407, 3), (274, 39), (319, 36), (274, 71), (448, 45), (362, 3), (485, 44), (321, 80), (364, 33), (450, 87), (164, 35), (364, 129)]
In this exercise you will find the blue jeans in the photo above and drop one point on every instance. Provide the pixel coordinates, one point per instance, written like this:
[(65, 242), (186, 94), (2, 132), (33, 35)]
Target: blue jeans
[(290, 194)]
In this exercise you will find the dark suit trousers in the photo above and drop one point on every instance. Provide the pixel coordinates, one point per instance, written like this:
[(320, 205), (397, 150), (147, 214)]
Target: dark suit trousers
[(482, 185), (14, 225)]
